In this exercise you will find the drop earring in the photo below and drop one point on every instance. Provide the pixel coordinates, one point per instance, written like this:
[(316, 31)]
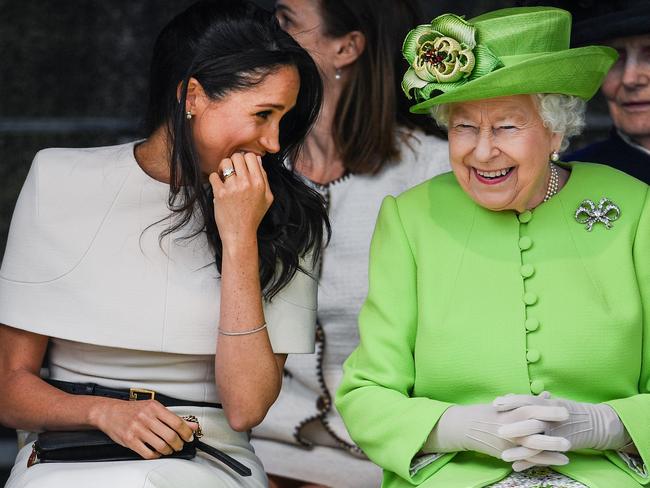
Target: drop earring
[(337, 74), (555, 156), (188, 115)]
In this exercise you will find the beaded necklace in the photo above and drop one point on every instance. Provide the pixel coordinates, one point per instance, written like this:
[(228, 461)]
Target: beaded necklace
[(553, 183)]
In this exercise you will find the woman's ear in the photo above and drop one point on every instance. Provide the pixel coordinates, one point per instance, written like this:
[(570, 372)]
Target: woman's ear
[(195, 95), (556, 140), (349, 47)]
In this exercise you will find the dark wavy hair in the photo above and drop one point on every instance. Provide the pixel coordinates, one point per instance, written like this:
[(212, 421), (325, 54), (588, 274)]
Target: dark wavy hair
[(372, 105), (231, 45)]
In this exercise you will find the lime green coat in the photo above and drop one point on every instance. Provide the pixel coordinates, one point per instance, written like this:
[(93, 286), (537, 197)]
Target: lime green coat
[(466, 304)]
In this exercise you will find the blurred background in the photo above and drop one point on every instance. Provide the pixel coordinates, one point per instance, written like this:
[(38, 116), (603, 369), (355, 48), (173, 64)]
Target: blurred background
[(74, 74)]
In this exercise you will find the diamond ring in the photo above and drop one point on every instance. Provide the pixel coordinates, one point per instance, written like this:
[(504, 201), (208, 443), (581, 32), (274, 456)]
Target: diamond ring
[(228, 172)]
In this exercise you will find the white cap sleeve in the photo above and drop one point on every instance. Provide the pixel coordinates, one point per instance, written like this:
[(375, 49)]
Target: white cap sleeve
[(291, 314)]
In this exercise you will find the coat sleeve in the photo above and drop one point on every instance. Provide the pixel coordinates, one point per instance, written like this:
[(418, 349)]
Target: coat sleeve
[(634, 411), (375, 397)]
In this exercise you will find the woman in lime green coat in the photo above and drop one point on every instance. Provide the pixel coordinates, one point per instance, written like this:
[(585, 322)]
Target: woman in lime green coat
[(505, 340)]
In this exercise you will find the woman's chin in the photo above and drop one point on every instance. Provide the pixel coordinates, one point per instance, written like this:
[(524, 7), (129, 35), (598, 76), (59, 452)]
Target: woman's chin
[(492, 197)]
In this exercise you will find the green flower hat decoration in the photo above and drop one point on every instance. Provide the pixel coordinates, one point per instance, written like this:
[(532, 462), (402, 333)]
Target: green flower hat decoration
[(444, 55)]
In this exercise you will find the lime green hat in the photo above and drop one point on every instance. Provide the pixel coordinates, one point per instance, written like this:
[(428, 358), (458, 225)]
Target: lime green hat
[(511, 51)]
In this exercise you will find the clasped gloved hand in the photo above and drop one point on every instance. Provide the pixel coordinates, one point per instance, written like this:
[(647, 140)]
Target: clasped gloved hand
[(476, 428), (588, 426)]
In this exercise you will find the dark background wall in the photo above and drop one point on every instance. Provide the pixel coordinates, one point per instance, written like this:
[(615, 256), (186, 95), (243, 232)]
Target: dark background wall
[(73, 74)]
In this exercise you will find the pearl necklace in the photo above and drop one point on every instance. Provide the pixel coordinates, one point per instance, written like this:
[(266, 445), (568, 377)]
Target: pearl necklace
[(553, 183)]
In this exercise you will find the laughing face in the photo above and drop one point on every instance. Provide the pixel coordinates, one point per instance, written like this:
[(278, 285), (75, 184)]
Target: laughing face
[(499, 151), (242, 121)]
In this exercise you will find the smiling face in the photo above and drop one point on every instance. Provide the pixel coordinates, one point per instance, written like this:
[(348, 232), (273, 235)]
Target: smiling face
[(499, 151), (627, 87), (242, 121)]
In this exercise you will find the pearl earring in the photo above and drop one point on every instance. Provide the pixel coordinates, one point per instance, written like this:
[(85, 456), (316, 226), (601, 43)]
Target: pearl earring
[(188, 115), (555, 156), (337, 75)]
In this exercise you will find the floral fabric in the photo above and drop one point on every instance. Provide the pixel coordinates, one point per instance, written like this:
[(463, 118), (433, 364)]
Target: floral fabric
[(538, 477)]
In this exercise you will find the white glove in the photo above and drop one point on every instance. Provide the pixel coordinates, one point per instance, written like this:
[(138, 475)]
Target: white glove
[(589, 425), (475, 428)]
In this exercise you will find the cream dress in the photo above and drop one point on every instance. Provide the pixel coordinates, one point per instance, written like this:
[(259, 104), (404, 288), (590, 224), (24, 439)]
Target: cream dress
[(84, 265)]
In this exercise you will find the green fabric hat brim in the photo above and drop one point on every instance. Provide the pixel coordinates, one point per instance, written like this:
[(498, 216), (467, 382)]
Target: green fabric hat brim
[(578, 72)]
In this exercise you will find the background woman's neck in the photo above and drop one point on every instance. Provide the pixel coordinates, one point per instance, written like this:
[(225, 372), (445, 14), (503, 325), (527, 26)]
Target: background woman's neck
[(320, 159)]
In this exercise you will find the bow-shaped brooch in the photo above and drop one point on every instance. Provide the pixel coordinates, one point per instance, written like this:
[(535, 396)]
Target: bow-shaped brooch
[(589, 213)]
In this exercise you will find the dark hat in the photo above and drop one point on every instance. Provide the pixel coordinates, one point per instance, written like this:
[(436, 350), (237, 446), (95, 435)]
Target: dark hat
[(595, 21)]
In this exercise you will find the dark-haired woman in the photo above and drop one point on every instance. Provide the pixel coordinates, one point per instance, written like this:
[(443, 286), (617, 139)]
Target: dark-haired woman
[(136, 263), (364, 146)]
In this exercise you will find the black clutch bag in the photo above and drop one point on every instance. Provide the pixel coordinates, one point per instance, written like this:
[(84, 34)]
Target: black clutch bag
[(89, 445), (94, 446)]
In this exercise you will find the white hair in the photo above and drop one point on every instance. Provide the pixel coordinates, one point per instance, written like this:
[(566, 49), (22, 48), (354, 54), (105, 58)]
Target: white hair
[(560, 113)]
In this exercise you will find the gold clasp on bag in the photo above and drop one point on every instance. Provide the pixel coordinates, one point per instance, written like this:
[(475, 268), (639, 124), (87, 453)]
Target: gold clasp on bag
[(134, 392), (191, 418)]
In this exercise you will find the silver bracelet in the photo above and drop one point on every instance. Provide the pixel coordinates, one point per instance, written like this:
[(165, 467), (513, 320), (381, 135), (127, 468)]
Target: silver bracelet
[(244, 332)]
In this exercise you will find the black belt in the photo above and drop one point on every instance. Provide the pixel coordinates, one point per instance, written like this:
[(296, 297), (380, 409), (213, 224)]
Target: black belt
[(130, 394)]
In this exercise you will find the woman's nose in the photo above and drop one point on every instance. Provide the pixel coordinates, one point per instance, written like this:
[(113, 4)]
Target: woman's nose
[(486, 148), (636, 72), (270, 139)]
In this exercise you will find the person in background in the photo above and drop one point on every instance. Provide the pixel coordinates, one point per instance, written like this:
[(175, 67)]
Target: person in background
[(365, 145), (176, 271), (507, 324), (625, 26)]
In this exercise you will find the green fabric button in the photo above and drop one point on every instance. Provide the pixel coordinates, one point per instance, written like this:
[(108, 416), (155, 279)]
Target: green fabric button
[(530, 298), (525, 243), (532, 324), (536, 386), (533, 355), (525, 217), (527, 270)]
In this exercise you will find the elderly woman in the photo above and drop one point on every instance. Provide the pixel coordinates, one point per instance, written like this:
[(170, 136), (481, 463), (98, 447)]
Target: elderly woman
[(506, 324)]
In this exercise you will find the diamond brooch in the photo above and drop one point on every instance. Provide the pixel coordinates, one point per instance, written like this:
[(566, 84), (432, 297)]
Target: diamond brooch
[(589, 214)]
